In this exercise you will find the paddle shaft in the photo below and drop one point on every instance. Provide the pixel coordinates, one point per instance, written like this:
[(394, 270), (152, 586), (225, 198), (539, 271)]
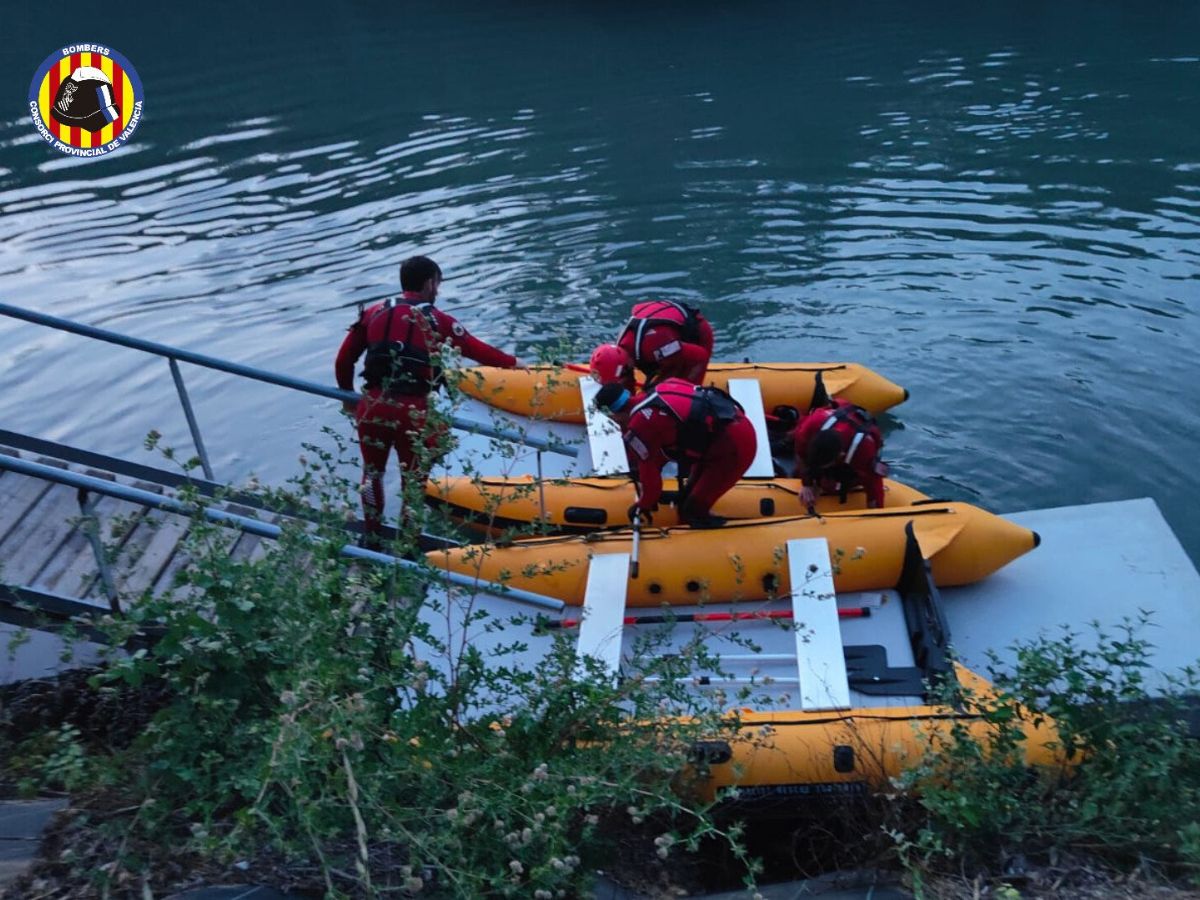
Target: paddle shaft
[(585, 370), (637, 545)]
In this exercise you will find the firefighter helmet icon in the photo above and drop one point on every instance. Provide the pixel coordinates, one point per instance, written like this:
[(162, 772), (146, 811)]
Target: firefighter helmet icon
[(85, 100)]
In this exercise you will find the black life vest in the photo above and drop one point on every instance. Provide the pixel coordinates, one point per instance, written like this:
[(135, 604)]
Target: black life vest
[(702, 411), (403, 366), (684, 319)]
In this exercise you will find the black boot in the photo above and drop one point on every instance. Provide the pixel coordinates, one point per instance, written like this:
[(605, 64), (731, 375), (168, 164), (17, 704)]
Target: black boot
[(707, 520)]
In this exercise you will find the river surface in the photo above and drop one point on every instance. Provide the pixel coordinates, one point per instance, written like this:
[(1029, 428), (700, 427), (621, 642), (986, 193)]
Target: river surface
[(996, 206)]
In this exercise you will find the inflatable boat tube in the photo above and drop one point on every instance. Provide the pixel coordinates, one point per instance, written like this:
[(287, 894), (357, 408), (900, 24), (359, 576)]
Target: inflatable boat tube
[(549, 392), (747, 560), (789, 754), (581, 505)]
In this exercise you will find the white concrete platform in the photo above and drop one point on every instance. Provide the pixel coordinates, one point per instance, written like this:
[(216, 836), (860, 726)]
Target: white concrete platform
[(1101, 562)]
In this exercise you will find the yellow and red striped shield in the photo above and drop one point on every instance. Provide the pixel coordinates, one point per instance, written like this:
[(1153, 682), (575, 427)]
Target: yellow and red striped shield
[(101, 80)]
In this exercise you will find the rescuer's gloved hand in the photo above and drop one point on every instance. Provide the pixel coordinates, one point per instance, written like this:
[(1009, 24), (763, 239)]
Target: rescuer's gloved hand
[(646, 517)]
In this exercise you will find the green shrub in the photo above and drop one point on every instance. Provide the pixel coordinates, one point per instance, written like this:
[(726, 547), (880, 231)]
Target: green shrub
[(1130, 793), (316, 710)]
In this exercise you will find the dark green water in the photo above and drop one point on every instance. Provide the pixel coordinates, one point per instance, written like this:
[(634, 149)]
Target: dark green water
[(996, 207)]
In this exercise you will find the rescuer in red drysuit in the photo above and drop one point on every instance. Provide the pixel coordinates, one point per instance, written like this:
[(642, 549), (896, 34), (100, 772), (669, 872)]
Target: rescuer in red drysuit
[(668, 340), (837, 447), (703, 429), (401, 339)]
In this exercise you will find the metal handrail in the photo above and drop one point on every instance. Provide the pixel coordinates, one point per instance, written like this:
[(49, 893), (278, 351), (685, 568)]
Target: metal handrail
[(175, 354), (254, 526), (293, 509), (26, 607)]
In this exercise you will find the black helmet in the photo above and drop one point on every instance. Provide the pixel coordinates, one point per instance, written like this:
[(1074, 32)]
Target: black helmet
[(85, 100), (612, 397)]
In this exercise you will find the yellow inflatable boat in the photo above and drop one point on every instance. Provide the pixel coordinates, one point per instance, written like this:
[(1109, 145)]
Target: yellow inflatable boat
[(550, 392), (580, 505), (898, 683), (746, 560)]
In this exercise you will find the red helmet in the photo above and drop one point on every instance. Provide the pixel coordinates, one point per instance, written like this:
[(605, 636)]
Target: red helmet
[(610, 364)]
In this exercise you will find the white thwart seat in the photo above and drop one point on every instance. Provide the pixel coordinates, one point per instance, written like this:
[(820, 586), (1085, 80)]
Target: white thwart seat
[(604, 437), (603, 627), (748, 393), (820, 658)]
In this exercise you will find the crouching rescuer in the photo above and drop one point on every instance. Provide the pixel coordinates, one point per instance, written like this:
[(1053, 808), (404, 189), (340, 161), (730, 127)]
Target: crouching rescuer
[(702, 429), (837, 448)]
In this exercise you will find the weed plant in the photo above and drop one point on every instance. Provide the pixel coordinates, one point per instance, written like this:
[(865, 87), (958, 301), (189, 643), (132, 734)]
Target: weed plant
[(361, 719), (1127, 792)]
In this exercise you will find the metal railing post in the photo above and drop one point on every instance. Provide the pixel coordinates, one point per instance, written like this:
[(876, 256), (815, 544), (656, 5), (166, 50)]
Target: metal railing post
[(91, 528), (191, 418)]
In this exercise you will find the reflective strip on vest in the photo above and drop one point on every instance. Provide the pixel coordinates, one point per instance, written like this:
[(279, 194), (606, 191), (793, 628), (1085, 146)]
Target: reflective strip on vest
[(697, 397), (653, 399), (637, 339), (854, 446), (668, 350), (859, 429)]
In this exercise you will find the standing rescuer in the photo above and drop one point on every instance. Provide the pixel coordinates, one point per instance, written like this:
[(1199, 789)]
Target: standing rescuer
[(401, 339), (702, 429), (838, 447)]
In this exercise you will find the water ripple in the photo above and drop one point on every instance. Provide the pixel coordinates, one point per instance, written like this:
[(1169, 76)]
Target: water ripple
[(997, 226)]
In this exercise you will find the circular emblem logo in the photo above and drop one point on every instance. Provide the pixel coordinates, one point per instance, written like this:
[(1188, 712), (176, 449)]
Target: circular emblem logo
[(86, 100)]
